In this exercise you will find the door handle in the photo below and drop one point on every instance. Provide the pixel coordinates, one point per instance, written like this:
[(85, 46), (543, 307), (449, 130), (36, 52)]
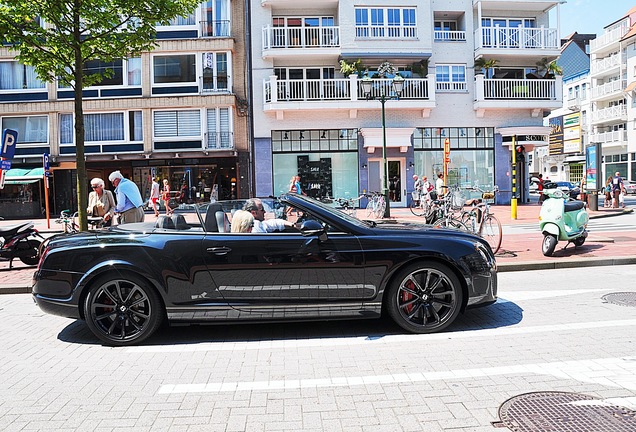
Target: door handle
[(223, 250)]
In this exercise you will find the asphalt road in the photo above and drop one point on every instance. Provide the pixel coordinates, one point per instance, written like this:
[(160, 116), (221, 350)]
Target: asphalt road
[(551, 330)]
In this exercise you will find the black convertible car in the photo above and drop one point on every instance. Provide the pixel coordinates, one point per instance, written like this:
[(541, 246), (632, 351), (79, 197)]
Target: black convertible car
[(126, 281)]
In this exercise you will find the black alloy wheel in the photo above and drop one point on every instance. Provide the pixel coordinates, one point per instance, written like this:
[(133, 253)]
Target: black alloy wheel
[(425, 298), (122, 310), (29, 251)]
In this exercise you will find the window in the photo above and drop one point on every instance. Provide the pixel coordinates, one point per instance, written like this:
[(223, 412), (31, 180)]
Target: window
[(450, 77), (16, 76), (104, 127), (219, 128), (31, 130), (173, 124), (117, 72), (386, 23), (215, 73), (215, 17), (174, 69)]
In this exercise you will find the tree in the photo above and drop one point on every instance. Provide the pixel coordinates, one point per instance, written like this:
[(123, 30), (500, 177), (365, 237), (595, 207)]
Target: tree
[(548, 68), (486, 65), (58, 37)]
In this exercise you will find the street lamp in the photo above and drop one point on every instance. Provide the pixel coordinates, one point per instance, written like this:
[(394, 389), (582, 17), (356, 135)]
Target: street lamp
[(398, 86)]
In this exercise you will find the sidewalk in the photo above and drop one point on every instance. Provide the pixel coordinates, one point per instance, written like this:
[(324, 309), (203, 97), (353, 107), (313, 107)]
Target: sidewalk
[(518, 251)]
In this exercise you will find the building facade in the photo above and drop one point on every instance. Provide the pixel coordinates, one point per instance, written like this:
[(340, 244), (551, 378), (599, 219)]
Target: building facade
[(179, 113), (612, 97), (312, 117)]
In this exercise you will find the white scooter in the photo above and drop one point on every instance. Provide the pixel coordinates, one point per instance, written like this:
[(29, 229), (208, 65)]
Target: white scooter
[(562, 218)]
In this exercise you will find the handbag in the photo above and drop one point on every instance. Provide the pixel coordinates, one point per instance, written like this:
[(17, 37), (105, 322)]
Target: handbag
[(99, 210)]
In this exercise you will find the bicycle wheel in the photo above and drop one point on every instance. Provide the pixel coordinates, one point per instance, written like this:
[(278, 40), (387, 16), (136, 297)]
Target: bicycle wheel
[(371, 205), (491, 232), (380, 209), (417, 207), (469, 219), (450, 223)]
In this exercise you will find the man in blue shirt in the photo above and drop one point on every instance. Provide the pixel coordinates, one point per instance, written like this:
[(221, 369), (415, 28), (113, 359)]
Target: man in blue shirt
[(129, 201)]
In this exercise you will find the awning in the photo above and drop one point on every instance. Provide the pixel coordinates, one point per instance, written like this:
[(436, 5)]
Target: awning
[(395, 137), (23, 175), (574, 159), (631, 87)]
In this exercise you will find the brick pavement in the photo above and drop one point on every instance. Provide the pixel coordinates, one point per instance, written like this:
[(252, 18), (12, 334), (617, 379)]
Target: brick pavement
[(518, 251)]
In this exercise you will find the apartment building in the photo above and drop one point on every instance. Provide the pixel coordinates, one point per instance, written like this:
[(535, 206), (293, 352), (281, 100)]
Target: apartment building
[(177, 113), (612, 96), (312, 118)]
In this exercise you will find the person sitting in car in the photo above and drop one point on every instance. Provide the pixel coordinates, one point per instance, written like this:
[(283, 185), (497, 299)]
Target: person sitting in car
[(255, 207), (242, 222)]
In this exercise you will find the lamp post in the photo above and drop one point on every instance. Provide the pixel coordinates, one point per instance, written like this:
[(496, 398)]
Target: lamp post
[(398, 86)]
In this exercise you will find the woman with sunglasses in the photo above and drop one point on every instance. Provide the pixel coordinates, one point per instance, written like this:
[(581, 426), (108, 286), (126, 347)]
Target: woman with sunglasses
[(101, 202)]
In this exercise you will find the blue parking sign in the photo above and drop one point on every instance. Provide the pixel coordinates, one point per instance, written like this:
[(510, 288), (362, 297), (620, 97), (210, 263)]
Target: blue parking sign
[(9, 140)]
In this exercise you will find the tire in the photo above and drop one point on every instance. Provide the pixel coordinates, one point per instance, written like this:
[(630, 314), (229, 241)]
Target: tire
[(416, 208), (33, 255), (548, 245), (450, 223), (424, 298), (122, 309), (491, 231), (579, 241)]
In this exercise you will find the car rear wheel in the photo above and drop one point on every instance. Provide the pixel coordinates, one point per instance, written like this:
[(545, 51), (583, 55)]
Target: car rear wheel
[(122, 310), (425, 298)]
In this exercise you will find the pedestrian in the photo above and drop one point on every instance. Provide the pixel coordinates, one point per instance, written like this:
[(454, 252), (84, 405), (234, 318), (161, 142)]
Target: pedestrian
[(608, 193), (101, 202), (299, 189), (540, 188), (439, 184), (154, 196), (418, 187), (427, 188), (129, 202), (165, 196), (617, 189)]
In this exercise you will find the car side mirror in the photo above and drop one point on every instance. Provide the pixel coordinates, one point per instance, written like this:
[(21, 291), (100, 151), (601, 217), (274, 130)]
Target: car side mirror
[(312, 227)]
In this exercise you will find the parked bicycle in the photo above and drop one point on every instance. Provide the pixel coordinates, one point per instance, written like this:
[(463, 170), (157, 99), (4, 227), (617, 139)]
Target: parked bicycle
[(68, 220), (479, 219), (376, 205), (445, 212), (348, 205)]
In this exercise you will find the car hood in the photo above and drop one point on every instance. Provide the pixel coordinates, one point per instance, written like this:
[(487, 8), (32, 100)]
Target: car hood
[(419, 228)]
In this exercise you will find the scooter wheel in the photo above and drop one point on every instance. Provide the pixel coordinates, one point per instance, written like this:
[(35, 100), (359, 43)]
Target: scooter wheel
[(579, 241), (548, 245)]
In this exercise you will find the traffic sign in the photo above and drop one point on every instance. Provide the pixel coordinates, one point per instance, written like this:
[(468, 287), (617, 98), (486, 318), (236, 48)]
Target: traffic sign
[(5, 165), (9, 140)]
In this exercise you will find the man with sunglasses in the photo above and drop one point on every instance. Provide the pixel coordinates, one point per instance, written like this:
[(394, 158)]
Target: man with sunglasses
[(255, 206)]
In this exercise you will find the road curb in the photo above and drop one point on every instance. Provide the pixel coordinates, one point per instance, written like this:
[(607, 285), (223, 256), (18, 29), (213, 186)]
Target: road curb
[(564, 264)]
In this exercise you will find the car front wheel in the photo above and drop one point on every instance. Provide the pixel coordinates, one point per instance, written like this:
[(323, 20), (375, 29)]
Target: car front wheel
[(122, 310), (425, 298)]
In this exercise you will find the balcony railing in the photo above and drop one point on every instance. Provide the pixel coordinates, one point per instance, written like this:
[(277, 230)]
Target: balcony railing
[(610, 62), (522, 89), (301, 37), (516, 38), (450, 86), (574, 103), (215, 28), (617, 112), (449, 35), (276, 90), (608, 38), (608, 89), (606, 137)]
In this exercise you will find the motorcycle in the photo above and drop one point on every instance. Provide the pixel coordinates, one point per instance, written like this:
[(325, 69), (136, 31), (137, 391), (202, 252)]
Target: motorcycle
[(18, 241), (562, 219)]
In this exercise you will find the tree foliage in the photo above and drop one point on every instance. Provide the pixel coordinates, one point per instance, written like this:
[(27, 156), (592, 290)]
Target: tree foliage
[(58, 37)]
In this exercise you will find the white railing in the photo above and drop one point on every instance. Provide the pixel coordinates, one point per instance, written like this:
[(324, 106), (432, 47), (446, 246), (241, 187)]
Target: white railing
[(613, 136), (545, 89), (516, 38), (215, 28), (276, 90), (300, 37), (449, 35), (450, 86), (608, 89), (611, 113), (386, 32), (574, 103), (610, 62), (219, 140), (608, 38)]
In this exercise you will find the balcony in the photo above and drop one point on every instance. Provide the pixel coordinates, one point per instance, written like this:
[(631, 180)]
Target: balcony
[(609, 137), (290, 40), (219, 141), (500, 41), (534, 94), (608, 91), (343, 93), (608, 40), (607, 66), (449, 36), (609, 115), (215, 29), (574, 103)]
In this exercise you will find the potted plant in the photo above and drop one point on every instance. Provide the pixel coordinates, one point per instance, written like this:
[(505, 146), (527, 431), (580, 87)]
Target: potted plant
[(548, 68), (386, 68), (349, 68), (486, 66), (420, 68)]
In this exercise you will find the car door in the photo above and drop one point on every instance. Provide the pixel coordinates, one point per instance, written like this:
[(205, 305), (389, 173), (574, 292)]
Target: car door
[(287, 270)]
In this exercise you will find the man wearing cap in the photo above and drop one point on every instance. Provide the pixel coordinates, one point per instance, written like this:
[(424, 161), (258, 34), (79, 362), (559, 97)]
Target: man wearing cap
[(129, 201)]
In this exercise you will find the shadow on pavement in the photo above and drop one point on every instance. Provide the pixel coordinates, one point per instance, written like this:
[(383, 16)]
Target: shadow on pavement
[(500, 314)]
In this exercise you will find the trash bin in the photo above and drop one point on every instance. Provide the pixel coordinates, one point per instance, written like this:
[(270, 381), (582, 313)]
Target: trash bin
[(592, 201)]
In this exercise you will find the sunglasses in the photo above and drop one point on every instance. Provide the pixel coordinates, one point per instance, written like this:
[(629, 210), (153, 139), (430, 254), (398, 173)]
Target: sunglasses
[(94, 186)]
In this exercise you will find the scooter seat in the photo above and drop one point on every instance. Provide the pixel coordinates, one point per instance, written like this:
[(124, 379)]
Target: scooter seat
[(574, 206), (12, 230)]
